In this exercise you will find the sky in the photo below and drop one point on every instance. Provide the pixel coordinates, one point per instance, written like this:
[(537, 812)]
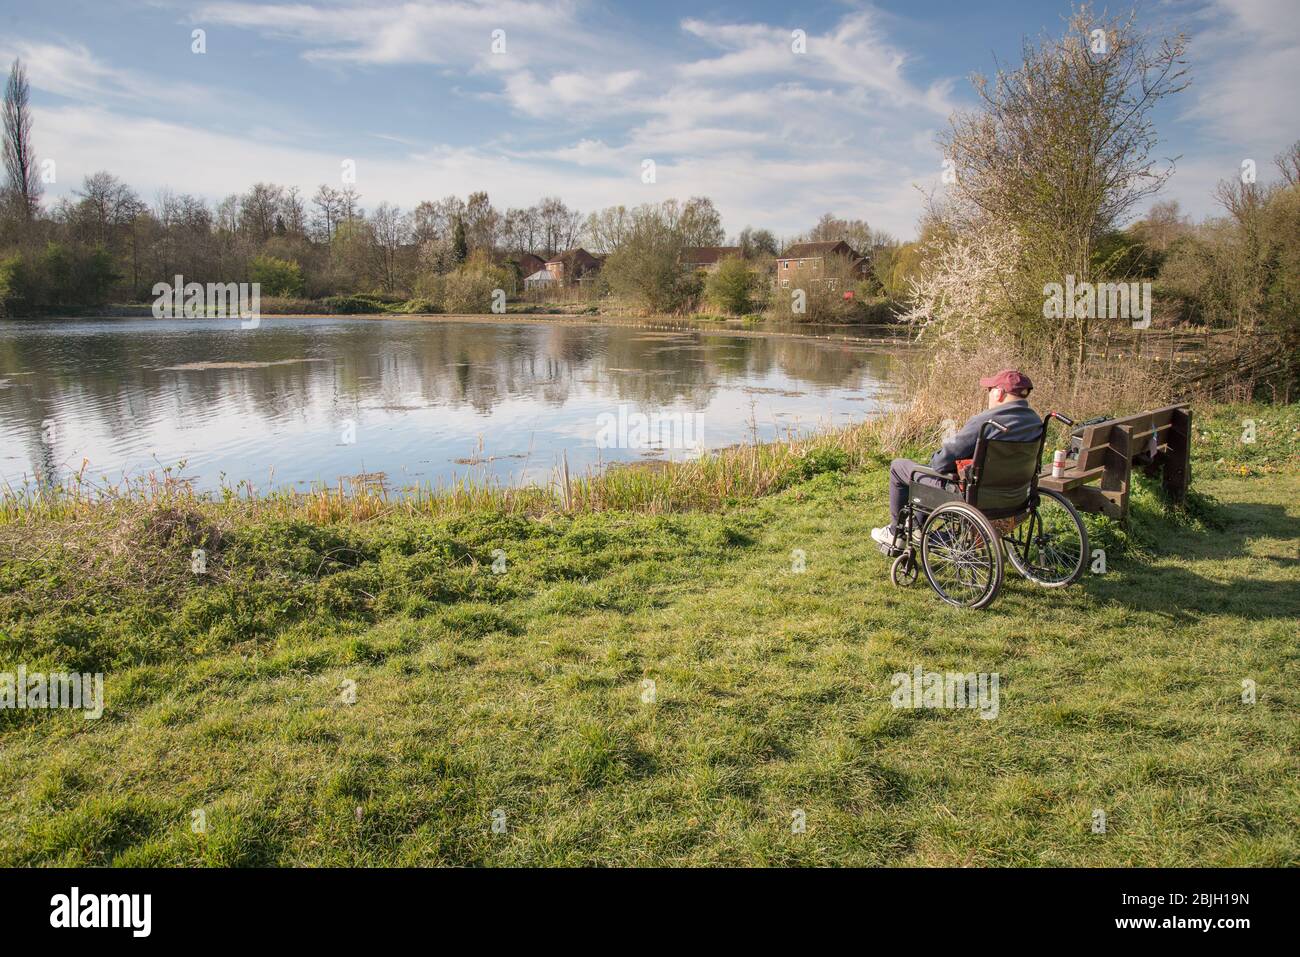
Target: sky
[(572, 99)]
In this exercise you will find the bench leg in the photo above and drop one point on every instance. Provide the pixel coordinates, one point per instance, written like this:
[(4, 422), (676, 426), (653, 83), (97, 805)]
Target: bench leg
[(1178, 456), (1115, 480)]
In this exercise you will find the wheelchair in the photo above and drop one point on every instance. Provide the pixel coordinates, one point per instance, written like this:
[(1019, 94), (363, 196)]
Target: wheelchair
[(963, 526)]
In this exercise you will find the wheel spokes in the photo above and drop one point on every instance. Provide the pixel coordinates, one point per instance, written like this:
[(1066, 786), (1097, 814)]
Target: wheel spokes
[(1048, 543), (960, 558)]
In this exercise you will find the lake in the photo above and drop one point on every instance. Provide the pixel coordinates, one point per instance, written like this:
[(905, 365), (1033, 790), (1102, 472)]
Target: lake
[(301, 401)]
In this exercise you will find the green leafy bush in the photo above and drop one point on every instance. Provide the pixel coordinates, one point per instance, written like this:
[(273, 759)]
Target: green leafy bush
[(731, 286), (647, 267), (417, 305), (277, 277), (823, 459), (56, 276), (471, 286), (8, 282), (354, 305)]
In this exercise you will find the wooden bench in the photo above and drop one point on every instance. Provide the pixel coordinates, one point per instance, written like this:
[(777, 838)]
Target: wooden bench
[(1106, 456)]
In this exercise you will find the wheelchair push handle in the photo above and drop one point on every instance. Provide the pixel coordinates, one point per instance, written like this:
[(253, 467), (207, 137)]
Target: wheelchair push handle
[(1064, 420), (997, 425)]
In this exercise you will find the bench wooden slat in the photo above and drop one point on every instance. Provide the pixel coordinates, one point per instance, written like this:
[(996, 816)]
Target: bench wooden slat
[(1072, 478)]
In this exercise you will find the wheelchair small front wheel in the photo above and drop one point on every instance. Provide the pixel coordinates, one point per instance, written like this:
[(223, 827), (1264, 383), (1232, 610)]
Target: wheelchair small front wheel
[(905, 570), (961, 555)]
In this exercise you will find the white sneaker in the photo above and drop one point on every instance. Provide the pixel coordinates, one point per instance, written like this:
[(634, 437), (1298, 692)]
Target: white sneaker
[(884, 537)]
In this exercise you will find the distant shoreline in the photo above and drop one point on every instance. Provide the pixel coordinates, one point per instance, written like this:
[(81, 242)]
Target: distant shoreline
[(735, 327)]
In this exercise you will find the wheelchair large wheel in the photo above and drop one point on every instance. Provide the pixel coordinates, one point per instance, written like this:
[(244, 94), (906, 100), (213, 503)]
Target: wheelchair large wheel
[(961, 556), (1050, 547)]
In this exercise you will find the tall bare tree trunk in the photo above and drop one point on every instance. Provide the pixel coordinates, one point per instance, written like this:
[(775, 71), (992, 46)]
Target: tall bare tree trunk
[(20, 161)]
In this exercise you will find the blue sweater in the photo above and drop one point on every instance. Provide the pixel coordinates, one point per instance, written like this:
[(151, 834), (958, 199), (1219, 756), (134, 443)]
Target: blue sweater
[(1022, 422)]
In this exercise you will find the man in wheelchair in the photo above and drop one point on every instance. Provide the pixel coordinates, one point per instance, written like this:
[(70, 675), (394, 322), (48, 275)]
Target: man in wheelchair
[(1008, 404)]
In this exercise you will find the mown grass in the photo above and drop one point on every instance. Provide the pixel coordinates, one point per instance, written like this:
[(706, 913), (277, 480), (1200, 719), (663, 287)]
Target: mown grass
[(525, 692)]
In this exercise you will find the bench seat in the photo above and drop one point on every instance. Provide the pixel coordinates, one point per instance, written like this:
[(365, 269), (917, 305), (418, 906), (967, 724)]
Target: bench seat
[(1072, 478)]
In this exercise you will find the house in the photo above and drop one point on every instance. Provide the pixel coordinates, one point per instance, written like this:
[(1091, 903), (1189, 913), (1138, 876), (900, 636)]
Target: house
[(807, 262), (707, 258), (574, 266), (529, 264)]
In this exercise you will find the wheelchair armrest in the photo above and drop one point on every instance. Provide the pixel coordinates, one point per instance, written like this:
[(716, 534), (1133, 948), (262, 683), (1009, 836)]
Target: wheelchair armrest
[(931, 473)]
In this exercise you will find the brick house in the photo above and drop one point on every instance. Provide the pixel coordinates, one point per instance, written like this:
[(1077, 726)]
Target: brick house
[(707, 258), (529, 264), (807, 262), (574, 266)]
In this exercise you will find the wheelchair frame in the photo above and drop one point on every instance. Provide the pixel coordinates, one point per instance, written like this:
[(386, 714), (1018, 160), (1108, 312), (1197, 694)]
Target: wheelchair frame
[(961, 547)]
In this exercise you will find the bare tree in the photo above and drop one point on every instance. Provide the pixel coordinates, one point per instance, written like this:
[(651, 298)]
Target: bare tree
[(559, 226), (1061, 148), (1288, 164), (855, 232), (350, 205), (481, 222), (697, 221), (607, 229), (327, 200), (105, 205), (521, 229), (20, 160), (294, 212), (391, 231), (259, 208)]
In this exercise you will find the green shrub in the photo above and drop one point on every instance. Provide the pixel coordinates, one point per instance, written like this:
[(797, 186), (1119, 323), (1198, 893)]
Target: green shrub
[(277, 277), (731, 286), (822, 459), (470, 287), (417, 305), (646, 269), (281, 306), (429, 286), (354, 305), (10, 281)]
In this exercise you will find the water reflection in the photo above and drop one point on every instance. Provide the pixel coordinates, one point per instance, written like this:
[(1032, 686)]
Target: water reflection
[(298, 401)]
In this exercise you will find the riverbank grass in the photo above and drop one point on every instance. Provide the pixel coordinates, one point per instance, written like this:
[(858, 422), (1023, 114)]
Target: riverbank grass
[(636, 686)]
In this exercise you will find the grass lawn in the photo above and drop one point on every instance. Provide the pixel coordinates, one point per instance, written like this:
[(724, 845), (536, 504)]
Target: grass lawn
[(374, 693)]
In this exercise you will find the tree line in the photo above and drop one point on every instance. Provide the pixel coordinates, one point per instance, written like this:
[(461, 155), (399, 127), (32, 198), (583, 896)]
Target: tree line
[(106, 243)]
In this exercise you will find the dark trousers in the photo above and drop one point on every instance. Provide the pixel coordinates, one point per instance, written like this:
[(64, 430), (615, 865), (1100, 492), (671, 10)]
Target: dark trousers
[(900, 471)]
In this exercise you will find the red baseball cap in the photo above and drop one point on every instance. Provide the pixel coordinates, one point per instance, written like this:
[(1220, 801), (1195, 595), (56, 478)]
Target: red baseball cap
[(1008, 380)]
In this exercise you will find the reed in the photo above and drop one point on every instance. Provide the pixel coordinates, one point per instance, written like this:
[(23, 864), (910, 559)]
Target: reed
[(710, 481)]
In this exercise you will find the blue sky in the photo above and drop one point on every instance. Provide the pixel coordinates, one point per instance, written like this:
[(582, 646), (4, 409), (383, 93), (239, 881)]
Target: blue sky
[(584, 92)]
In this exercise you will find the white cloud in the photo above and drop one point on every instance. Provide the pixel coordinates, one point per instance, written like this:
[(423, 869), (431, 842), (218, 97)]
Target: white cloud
[(564, 94), (855, 52), (72, 71), (458, 32), (1246, 61)]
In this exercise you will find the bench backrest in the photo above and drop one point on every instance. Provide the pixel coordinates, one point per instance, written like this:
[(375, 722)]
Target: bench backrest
[(1101, 439)]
